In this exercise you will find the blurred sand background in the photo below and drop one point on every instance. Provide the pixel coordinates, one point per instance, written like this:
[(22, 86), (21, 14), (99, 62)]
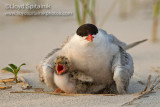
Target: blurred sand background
[(29, 40)]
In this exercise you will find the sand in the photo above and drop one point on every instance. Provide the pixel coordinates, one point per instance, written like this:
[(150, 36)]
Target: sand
[(30, 40)]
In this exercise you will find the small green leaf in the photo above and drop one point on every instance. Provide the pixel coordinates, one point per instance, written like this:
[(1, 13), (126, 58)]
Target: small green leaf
[(8, 69), (14, 67), (20, 66)]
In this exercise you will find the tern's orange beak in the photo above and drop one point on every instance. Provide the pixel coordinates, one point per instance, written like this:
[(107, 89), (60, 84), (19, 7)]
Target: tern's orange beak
[(89, 38), (60, 68)]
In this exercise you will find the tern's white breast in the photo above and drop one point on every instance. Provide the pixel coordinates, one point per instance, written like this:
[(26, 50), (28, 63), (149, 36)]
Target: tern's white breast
[(93, 58)]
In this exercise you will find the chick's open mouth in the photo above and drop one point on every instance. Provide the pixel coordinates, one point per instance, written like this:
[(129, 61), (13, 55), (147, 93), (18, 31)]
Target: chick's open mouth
[(60, 68)]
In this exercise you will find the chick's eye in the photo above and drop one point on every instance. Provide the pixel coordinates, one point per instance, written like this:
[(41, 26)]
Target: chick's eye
[(66, 62)]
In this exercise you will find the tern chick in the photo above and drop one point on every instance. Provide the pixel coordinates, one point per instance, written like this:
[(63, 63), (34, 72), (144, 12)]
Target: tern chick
[(70, 80)]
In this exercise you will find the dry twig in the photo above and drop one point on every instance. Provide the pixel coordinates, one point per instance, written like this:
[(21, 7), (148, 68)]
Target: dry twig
[(62, 94), (38, 89), (148, 83), (145, 91), (5, 87), (7, 80)]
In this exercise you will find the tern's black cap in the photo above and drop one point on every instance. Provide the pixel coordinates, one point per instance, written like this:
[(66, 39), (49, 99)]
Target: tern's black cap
[(86, 29)]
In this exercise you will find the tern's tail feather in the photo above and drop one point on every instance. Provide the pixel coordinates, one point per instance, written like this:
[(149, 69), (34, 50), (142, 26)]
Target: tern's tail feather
[(134, 44)]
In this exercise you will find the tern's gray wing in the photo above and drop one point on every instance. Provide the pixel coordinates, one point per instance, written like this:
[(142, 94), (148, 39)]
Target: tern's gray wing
[(57, 49), (68, 38), (51, 53), (122, 59), (119, 43), (122, 68), (43, 62), (116, 41), (113, 39)]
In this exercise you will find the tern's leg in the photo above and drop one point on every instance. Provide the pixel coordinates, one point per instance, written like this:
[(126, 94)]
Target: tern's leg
[(58, 90)]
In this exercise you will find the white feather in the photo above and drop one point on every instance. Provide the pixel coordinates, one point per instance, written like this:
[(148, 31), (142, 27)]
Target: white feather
[(64, 83)]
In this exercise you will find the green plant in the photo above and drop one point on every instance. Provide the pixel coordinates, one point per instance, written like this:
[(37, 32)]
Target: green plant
[(156, 10), (88, 9), (85, 9), (13, 69)]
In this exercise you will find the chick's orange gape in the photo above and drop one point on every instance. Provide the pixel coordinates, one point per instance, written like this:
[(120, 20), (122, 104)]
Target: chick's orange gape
[(60, 68)]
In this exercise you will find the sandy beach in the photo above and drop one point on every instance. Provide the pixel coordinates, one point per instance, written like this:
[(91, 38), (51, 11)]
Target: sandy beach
[(28, 41)]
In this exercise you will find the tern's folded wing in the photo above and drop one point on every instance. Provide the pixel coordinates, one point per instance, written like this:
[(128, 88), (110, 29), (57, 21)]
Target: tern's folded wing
[(113, 39), (68, 38)]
